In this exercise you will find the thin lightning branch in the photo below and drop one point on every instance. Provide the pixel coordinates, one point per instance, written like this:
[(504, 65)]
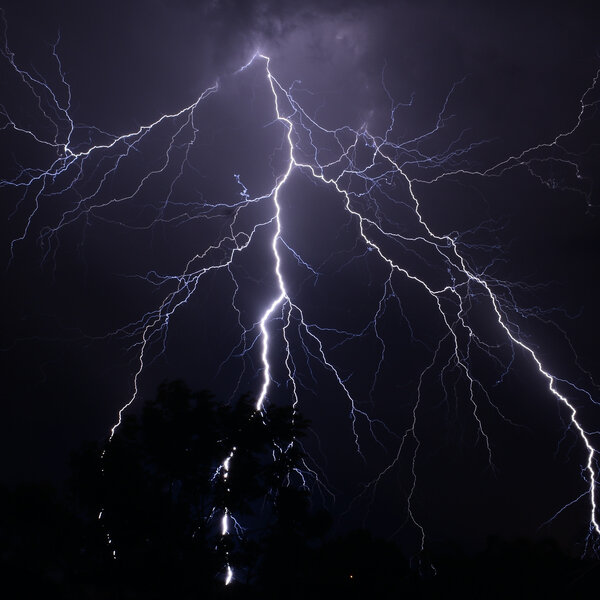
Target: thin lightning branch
[(364, 172)]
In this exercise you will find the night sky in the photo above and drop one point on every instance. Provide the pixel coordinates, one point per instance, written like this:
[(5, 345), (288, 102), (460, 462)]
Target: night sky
[(472, 85)]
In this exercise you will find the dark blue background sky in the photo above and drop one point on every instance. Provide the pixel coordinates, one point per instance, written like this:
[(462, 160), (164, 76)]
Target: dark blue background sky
[(526, 68)]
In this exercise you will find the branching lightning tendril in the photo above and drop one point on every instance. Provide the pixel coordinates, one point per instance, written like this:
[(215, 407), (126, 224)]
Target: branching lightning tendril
[(363, 171)]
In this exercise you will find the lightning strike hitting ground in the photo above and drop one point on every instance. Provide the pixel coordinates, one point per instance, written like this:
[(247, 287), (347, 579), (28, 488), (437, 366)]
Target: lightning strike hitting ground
[(367, 173)]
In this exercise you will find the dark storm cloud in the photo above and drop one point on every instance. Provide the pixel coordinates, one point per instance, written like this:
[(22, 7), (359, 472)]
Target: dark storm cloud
[(273, 17), (399, 25), (156, 53), (241, 27), (427, 46)]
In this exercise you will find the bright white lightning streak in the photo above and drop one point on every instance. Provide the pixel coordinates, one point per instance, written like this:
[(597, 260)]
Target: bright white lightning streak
[(283, 294), (220, 256), (228, 575), (435, 293)]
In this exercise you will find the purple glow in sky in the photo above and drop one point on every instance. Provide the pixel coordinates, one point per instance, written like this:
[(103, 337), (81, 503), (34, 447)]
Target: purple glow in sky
[(389, 223)]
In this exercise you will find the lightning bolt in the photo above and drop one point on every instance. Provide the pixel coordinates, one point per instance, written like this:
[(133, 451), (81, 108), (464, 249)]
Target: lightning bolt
[(365, 172)]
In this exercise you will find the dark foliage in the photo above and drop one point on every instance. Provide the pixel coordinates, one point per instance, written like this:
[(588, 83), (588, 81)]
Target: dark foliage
[(154, 483)]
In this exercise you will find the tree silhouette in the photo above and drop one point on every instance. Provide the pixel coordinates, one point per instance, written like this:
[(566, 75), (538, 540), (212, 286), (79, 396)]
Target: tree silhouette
[(154, 485)]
